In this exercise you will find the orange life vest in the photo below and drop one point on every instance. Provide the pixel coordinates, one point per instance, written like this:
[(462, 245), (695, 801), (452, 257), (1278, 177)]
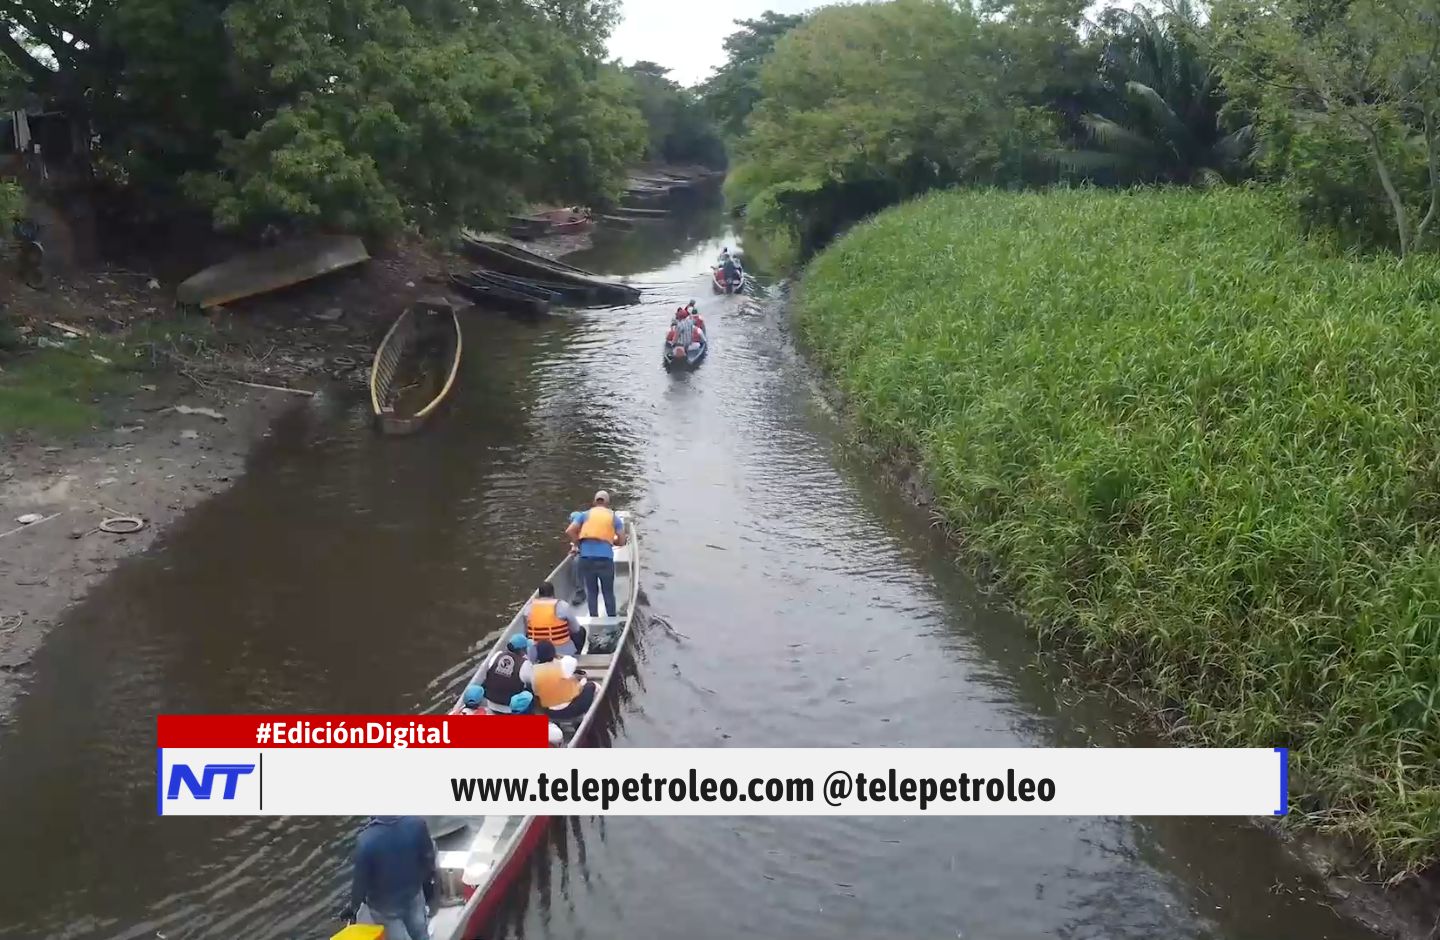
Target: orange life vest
[(599, 525), (552, 688), (542, 624)]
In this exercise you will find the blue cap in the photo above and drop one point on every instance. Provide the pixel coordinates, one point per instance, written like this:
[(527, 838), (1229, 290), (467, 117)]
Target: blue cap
[(520, 702), (518, 642), (474, 695)]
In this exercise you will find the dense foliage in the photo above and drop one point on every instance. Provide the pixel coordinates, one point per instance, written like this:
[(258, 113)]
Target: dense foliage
[(1161, 105), (1200, 447), (356, 114), (1350, 95), (859, 106), (730, 94), (865, 105), (680, 129)]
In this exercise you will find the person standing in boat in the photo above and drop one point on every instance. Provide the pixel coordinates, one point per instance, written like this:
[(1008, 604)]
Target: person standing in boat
[(560, 687), (394, 876), (593, 536), (547, 618)]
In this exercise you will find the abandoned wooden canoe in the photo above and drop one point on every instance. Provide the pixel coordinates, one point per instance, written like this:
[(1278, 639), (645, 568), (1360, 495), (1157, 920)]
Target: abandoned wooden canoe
[(488, 294), (478, 857), (415, 367), (271, 269), (512, 259)]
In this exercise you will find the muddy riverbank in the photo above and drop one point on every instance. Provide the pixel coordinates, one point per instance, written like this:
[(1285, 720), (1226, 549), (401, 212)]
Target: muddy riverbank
[(181, 430)]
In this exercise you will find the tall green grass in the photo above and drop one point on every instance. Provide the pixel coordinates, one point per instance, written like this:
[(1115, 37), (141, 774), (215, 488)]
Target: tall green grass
[(1202, 452)]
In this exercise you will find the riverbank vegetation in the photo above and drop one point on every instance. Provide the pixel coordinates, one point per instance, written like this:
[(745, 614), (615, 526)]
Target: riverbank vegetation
[(858, 107), (1199, 449), (355, 115)]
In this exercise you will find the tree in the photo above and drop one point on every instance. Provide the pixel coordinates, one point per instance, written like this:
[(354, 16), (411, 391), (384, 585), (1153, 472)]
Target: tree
[(732, 92), (1364, 72), (365, 115), (680, 131), (1163, 116), (868, 104)]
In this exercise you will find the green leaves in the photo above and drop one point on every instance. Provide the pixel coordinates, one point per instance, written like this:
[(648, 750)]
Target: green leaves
[(360, 115), (1199, 448)]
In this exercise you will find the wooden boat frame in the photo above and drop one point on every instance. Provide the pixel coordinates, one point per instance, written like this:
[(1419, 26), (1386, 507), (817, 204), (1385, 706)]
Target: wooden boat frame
[(387, 359), (507, 845)]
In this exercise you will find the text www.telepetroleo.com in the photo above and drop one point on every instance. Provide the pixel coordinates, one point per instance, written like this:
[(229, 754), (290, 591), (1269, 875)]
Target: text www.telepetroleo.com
[(355, 765)]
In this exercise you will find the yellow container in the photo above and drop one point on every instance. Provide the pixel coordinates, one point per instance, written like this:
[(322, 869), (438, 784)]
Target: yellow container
[(361, 932)]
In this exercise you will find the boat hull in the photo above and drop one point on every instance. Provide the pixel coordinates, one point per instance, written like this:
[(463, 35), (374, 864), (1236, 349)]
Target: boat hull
[(487, 294), (718, 283), (441, 330), (692, 357), (270, 270), (510, 259), (513, 846)]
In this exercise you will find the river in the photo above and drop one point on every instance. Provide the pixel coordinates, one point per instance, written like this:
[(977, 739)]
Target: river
[(792, 600)]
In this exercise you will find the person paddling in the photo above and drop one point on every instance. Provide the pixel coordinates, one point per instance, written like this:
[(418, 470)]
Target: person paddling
[(593, 536)]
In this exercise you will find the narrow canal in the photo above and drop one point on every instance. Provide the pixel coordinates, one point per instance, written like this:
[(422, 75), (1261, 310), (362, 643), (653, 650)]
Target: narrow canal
[(793, 600)]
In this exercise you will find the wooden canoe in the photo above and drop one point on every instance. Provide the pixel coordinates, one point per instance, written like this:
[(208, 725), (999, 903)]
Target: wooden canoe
[(415, 366), (567, 293), (271, 269), (479, 857), (512, 259), (625, 212), (499, 297)]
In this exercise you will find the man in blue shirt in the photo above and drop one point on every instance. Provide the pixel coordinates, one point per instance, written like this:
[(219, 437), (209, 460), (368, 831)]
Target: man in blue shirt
[(394, 875), (594, 534)]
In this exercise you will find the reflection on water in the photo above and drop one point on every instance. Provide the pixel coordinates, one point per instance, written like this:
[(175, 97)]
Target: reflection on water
[(802, 605)]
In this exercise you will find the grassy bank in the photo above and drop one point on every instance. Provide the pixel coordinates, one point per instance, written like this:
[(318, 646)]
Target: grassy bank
[(1203, 453), (59, 389)]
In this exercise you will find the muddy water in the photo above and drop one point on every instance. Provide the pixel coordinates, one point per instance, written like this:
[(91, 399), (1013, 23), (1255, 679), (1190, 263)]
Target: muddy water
[(806, 604)]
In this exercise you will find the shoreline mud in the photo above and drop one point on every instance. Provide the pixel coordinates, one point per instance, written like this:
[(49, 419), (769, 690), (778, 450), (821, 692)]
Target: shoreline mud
[(185, 431)]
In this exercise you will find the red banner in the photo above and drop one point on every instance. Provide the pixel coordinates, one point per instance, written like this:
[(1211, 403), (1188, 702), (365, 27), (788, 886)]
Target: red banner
[(393, 731)]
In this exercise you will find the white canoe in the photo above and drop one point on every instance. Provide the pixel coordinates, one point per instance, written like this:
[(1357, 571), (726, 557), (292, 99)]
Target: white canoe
[(478, 857)]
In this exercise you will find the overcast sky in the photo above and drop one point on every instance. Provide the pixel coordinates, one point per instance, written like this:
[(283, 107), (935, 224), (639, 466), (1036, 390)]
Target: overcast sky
[(687, 36)]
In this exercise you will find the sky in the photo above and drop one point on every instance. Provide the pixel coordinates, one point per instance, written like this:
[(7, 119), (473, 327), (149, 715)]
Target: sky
[(687, 36)]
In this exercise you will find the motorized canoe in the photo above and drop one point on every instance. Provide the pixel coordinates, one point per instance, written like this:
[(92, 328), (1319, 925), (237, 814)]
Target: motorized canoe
[(718, 282), (690, 360), (270, 269), (511, 259), (479, 857), (486, 294), (415, 366)]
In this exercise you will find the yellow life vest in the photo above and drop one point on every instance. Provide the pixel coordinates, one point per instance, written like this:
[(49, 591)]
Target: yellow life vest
[(542, 623), (599, 525), (551, 687)]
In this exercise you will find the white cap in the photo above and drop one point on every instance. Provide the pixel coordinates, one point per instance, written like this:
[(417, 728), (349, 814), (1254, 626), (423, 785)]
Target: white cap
[(568, 665), (601, 496)]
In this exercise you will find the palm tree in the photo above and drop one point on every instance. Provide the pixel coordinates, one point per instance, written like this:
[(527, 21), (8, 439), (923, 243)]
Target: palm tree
[(1163, 104)]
